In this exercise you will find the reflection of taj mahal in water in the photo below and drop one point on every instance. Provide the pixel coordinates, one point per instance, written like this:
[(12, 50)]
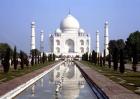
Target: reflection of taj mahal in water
[(64, 81), (70, 71), (73, 79), (69, 39)]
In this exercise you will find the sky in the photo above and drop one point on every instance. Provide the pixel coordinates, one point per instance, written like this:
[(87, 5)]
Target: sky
[(16, 17)]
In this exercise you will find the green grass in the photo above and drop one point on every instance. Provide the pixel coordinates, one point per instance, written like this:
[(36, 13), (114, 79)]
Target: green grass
[(20, 72), (122, 79)]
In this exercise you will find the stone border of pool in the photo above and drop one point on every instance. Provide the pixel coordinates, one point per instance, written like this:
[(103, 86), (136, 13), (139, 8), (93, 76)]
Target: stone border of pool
[(12, 88), (110, 88)]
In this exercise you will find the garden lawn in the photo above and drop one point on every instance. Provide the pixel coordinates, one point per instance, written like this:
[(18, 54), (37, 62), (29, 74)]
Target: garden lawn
[(130, 79), (20, 72)]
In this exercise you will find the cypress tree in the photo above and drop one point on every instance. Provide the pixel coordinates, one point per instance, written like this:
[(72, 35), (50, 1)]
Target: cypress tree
[(43, 58), (90, 58), (86, 57), (38, 59), (104, 59), (6, 64), (122, 68), (15, 58), (32, 61), (101, 60), (109, 60), (53, 57), (49, 57), (135, 60), (26, 61), (22, 60), (32, 56), (35, 54), (93, 56), (83, 57), (96, 58), (115, 59)]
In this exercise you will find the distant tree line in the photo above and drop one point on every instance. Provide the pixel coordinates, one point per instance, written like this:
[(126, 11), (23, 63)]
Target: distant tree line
[(120, 52)]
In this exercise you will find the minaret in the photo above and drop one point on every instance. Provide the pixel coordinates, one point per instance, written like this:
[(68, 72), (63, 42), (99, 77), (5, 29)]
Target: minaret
[(106, 38), (32, 35), (97, 43), (42, 41)]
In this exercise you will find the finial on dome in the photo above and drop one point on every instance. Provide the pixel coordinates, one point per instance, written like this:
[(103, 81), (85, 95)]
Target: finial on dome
[(33, 23), (106, 22), (41, 31), (69, 11), (97, 31)]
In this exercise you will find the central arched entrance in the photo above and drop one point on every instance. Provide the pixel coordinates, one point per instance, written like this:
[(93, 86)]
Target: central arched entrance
[(69, 45)]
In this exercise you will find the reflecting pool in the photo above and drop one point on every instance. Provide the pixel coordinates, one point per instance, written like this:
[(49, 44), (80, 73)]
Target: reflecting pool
[(64, 82)]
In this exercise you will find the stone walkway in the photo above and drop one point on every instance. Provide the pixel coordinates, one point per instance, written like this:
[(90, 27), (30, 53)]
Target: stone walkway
[(111, 89), (9, 85)]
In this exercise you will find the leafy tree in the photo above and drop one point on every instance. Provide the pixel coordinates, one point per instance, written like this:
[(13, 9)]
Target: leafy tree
[(15, 58), (115, 59), (5, 62), (133, 48), (94, 57), (113, 49), (120, 44), (85, 57), (3, 49)]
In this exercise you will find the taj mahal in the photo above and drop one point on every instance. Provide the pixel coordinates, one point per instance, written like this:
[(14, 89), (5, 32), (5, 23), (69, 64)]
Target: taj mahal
[(69, 39)]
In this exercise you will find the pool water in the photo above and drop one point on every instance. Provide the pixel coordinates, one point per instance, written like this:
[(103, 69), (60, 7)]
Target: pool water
[(64, 82)]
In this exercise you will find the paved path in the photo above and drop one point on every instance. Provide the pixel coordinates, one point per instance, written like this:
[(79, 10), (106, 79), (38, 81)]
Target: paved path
[(9, 85), (111, 89)]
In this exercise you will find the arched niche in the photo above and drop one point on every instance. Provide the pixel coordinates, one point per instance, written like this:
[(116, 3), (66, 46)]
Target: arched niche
[(69, 45)]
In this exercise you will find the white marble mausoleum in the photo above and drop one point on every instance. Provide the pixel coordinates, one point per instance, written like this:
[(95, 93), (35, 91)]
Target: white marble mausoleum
[(69, 39)]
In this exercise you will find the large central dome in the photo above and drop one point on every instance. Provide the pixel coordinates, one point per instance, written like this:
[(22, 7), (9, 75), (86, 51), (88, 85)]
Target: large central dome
[(69, 23)]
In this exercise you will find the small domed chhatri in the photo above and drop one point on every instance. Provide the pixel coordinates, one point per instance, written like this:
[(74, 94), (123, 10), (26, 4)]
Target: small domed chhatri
[(69, 39), (81, 31), (58, 31)]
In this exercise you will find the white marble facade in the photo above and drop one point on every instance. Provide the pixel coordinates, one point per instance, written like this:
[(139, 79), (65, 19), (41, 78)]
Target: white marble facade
[(69, 39)]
